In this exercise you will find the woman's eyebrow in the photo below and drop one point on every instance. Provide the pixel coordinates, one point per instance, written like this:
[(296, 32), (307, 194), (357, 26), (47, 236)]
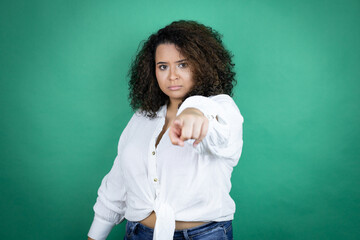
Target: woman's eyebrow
[(182, 60)]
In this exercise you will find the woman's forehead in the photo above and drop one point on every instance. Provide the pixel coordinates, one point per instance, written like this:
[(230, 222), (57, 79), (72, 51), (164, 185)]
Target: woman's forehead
[(168, 52)]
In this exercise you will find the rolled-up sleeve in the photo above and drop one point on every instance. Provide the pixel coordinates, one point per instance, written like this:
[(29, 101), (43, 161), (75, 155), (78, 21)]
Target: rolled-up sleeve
[(225, 136)]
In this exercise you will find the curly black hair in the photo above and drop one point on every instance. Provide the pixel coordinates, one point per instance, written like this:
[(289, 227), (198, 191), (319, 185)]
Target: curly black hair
[(211, 65)]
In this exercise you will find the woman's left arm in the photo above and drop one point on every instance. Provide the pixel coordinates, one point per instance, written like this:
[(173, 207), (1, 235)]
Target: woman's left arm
[(213, 123)]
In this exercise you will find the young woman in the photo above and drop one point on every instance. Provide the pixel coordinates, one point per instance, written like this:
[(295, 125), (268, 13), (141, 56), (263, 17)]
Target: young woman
[(171, 176)]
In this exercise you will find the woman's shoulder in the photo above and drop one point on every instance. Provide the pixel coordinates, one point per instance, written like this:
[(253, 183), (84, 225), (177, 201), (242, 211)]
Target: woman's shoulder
[(143, 115), (140, 116), (222, 98), (219, 100)]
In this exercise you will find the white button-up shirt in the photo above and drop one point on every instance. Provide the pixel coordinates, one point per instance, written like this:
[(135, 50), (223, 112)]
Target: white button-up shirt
[(178, 183)]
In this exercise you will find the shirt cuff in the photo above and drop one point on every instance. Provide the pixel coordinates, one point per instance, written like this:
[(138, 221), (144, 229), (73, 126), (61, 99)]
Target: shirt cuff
[(100, 229)]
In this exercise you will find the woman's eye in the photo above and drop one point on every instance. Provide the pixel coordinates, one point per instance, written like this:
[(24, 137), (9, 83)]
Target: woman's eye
[(183, 65), (162, 67)]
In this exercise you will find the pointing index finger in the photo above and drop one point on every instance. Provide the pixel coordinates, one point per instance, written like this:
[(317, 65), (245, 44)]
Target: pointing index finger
[(175, 132)]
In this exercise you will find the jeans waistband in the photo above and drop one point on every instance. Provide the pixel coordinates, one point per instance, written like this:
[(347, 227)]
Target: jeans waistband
[(180, 233)]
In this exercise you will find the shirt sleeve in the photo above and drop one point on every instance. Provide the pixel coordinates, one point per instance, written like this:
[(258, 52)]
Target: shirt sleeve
[(110, 204), (225, 136)]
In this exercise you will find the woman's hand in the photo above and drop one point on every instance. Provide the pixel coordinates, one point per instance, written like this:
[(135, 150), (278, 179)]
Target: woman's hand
[(190, 124)]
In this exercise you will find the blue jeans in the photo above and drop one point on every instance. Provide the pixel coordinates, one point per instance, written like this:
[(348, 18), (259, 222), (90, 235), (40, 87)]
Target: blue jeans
[(208, 231)]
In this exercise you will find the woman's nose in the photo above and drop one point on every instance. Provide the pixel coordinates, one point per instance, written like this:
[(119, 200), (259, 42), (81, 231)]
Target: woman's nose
[(173, 73)]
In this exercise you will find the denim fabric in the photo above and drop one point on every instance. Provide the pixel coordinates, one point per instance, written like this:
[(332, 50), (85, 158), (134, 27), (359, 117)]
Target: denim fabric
[(208, 231)]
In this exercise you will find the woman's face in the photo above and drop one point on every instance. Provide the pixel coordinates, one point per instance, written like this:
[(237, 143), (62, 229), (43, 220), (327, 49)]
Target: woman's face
[(173, 73)]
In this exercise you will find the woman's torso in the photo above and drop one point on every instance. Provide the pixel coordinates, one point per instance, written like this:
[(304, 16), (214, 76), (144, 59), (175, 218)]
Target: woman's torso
[(193, 185)]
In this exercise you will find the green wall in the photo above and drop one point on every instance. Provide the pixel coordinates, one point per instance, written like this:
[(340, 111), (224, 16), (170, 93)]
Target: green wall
[(63, 102)]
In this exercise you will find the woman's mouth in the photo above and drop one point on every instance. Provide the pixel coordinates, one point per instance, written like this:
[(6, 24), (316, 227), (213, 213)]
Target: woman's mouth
[(174, 88)]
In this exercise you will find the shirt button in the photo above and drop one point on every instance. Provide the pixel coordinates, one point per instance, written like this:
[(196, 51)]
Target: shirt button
[(155, 179), (153, 153)]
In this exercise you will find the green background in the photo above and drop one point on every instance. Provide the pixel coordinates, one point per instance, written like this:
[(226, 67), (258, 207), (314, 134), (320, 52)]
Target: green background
[(63, 99)]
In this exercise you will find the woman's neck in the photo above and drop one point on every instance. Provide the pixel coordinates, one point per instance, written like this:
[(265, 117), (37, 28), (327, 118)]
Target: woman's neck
[(172, 108)]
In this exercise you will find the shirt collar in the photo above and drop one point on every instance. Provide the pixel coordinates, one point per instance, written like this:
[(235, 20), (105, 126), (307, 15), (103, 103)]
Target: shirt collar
[(162, 111)]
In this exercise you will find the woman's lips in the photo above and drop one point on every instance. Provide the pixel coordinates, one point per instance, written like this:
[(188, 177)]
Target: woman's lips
[(174, 88)]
